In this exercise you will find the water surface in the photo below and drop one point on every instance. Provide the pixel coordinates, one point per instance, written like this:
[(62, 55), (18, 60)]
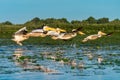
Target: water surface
[(57, 60)]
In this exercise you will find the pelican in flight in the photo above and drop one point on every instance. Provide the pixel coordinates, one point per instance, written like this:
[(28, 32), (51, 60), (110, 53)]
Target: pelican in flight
[(67, 36), (20, 35), (95, 36)]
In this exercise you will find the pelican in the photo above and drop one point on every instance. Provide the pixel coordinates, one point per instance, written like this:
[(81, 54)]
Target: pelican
[(67, 36), (20, 35), (95, 36)]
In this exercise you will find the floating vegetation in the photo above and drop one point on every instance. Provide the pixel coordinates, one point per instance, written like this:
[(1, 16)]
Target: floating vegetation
[(51, 60), (72, 67), (80, 58), (117, 62)]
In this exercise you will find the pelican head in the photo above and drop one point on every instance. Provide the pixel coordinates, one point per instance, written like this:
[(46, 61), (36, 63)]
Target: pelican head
[(101, 33), (78, 30), (74, 30)]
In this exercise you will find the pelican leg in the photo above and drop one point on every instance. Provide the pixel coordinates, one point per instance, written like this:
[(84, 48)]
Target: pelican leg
[(19, 43)]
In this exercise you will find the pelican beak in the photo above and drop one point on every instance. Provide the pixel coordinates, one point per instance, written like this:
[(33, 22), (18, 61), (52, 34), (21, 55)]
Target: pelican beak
[(81, 33), (103, 33), (46, 28), (61, 30)]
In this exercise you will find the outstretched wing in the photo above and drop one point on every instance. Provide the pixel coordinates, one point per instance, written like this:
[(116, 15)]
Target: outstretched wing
[(37, 31), (22, 31)]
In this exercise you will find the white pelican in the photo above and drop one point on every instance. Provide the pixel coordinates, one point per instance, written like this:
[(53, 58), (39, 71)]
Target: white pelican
[(20, 35), (95, 36), (67, 36)]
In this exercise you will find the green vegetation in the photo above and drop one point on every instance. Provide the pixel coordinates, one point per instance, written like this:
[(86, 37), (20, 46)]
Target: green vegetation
[(90, 26)]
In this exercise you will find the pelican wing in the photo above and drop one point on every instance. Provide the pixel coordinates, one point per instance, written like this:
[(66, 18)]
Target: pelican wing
[(66, 36), (22, 31), (37, 31)]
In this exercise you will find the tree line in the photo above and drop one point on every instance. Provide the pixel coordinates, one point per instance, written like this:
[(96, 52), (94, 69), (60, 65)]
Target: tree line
[(89, 25), (89, 20)]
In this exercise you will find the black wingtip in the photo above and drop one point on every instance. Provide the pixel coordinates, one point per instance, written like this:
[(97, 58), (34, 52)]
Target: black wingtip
[(41, 27), (109, 34), (78, 29), (25, 32)]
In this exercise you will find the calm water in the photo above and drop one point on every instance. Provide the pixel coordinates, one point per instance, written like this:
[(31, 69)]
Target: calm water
[(58, 61)]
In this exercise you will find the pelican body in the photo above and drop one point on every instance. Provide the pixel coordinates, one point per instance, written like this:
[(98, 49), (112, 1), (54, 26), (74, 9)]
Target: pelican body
[(37, 33)]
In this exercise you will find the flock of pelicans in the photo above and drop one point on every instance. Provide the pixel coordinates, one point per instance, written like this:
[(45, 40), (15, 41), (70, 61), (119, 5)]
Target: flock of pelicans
[(55, 33)]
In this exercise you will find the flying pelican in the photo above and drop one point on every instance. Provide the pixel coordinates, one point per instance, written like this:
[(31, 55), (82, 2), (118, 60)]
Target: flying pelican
[(20, 35), (95, 36), (67, 36)]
